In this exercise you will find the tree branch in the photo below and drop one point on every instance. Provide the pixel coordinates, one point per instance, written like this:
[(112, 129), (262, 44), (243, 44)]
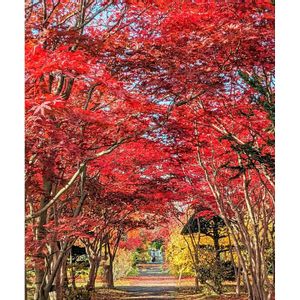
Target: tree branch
[(59, 193), (72, 180)]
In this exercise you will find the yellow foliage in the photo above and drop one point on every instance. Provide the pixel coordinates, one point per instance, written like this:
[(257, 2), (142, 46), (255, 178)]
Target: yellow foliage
[(177, 255), (180, 258)]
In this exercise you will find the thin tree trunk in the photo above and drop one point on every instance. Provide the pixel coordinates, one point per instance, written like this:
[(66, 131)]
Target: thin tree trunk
[(217, 276), (55, 269), (73, 279), (197, 263), (94, 266), (61, 279), (39, 269), (197, 285), (179, 278), (58, 287), (238, 280)]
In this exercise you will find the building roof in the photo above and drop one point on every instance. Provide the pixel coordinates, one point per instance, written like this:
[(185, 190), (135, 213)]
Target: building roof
[(201, 224)]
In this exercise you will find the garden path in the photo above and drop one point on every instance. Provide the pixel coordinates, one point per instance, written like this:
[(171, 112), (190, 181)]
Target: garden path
[(152, 282)]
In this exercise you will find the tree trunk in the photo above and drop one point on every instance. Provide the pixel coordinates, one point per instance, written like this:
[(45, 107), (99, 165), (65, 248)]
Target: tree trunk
[(238, 280), (109, 275), (73, 280), (58, 287), (55, 270), (94, 266), (40, 235), (180, 275), (61, 280), (217, 276), (197, 285)]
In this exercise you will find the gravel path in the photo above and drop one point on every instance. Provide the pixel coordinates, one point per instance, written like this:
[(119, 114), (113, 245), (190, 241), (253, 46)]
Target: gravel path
[(151, 283)]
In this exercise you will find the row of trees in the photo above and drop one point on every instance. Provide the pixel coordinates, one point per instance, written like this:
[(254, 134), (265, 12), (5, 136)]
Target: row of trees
[(135, 108), (203, 248)]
